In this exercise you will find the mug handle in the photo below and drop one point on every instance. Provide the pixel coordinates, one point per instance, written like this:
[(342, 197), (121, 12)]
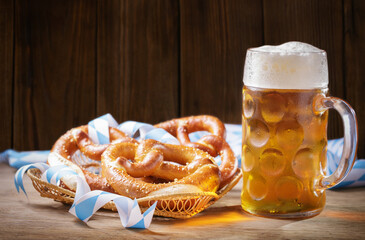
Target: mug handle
[(350, 138)]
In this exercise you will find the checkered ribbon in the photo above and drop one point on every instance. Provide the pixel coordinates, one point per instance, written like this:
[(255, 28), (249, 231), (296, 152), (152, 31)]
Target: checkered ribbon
[(140, 131), (18, 178), (19, 159), (98, 129), (356, 177), (87, 202)]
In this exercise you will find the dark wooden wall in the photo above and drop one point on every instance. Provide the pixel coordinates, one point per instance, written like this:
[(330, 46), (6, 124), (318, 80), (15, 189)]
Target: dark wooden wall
[(65, 62)]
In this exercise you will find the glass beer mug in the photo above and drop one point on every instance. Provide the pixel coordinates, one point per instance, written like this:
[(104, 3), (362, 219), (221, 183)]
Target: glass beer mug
[(284, 137)]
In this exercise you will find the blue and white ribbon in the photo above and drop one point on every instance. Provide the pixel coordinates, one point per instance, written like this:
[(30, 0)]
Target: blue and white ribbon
[(54, 174), (142, 131), (18, 178), (19, 159), (87, 202), (98, 129), (128, 210)]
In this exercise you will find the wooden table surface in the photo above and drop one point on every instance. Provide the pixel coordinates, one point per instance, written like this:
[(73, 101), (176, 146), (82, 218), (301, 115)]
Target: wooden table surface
[(43, 218)]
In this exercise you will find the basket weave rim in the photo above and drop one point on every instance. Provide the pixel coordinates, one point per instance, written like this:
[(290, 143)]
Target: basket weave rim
[(68, 196)]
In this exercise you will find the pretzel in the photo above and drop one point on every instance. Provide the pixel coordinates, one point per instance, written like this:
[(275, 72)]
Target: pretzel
[(213, 144), (229, 164), (153, 158), (181, 127), (77, 139), (156, 156)]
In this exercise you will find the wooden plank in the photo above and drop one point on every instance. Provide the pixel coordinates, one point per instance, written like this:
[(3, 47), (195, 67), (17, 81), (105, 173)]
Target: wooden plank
[(355, 62), (6, 72), (40, 218), (138, 59), (315, 22), (110, 37), (54, 69), (214, 38)]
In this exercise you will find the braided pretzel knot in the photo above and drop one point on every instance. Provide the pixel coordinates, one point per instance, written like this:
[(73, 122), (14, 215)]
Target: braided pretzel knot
[(213, 144), (177, 165), (78, 139)]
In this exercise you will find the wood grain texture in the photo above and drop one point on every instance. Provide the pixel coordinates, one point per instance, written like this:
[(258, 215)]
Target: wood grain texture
[(354, 62), (65, 62), (214, 38), (315, 22), (42, 218), (54, 69), (110, 45), (138, 59), (6, 72)]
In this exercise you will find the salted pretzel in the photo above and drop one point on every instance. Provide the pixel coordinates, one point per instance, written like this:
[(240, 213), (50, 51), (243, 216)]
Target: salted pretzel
[(214, 144), (153, 158), (122, 163), (78, 139)]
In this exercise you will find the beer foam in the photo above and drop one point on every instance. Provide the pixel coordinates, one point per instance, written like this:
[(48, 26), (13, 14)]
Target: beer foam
[(292, 65)]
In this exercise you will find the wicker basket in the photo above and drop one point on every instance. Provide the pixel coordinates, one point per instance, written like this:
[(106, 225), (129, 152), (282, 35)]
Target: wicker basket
[(175, 206)]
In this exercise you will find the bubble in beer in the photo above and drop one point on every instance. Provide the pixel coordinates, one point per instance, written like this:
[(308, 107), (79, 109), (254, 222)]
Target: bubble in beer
[(258, 134), (272, 162), (305, 163), (288, 188), (257, 187), (289, 134), (248, 105), (292, 65), (273, 107), (248, 160)]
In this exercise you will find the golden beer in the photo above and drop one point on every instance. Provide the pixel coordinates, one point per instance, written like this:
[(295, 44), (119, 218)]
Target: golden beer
[(284, 131), (283, 151)]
